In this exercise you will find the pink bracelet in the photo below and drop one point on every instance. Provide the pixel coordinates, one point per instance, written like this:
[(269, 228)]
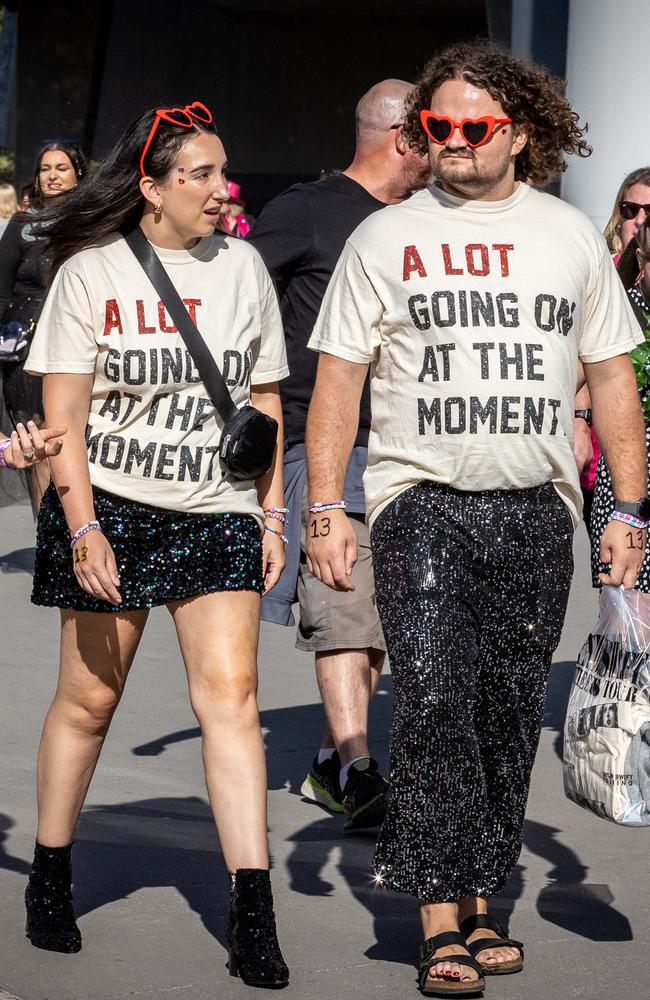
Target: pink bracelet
[(3, 447), (319, 508), (83, 530), (275, 532), (634, 522)]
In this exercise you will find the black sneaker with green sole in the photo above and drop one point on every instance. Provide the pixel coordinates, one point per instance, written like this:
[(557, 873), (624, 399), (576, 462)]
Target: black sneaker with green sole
[(322, 784), (364, 795)]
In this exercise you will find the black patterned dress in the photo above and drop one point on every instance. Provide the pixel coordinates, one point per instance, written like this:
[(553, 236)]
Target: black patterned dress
[(603, 493)]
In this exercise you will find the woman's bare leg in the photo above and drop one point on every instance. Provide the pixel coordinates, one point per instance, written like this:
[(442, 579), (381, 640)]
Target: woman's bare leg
[(97, 651), (218, 635), (39, 480)]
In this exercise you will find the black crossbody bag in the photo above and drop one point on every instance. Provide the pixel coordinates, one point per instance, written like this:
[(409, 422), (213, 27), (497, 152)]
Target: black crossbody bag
[(249, 436)]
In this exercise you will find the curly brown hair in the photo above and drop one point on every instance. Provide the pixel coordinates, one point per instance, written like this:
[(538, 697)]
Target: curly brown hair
[(527, 94)]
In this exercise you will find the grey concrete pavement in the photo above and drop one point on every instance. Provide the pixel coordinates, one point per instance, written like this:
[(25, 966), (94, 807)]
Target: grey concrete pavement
[(151, 894)]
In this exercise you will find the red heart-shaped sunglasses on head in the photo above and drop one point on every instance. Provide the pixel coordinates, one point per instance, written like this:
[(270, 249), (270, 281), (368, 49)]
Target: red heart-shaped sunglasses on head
[(185, 117), (475, 131)]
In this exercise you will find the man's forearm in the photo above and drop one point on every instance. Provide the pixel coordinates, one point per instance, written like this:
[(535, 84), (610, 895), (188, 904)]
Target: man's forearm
[(619, 425), (332, 426)]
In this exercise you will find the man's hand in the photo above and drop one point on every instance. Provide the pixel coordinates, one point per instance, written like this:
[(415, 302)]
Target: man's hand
[(583, 449), (332, 548), (622, 547)]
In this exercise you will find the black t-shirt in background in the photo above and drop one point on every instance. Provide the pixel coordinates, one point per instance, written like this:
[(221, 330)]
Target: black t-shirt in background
[(300, 235)]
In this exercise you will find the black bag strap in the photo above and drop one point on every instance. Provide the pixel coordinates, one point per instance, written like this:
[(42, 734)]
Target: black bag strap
[(211, 377)]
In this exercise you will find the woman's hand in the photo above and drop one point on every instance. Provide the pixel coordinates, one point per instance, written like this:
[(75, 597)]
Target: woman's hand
[(29, 446), (272, 557), (95, 567)]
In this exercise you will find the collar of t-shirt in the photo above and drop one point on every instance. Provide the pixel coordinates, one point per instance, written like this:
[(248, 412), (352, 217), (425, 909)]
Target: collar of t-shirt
[(474, 207), (198, 252)]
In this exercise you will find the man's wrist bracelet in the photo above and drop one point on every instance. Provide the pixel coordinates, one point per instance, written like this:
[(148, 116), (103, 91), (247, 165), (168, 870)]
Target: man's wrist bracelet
[(583, 415), (319, 508), (83, 530), (634, 522), (3, 447)]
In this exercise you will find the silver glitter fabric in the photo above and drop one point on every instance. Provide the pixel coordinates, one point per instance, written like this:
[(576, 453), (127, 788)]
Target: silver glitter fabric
[(472, 591), (162, 555)]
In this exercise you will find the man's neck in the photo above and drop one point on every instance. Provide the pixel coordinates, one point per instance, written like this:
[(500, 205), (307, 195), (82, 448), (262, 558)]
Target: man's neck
[(499, 192), (372, 176)]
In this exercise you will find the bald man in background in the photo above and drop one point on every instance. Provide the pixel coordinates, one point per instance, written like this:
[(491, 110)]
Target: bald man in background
[(300, 235)]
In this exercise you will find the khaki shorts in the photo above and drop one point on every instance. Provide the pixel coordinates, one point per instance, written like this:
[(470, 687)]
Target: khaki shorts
[(333, 619)]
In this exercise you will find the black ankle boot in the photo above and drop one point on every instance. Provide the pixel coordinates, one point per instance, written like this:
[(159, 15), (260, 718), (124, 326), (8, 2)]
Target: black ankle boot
[(254, 952), (48, 899)]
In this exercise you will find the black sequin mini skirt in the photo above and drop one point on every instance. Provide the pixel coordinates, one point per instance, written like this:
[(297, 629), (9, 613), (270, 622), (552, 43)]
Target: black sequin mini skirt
[(162, 555)]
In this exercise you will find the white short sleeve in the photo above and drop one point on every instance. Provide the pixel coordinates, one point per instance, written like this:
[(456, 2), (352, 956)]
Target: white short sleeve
[(65, 335), (348, 322), (610, 327)]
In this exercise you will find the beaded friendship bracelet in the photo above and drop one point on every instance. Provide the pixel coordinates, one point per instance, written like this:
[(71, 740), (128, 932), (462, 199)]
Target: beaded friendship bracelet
[(634, 522), (83, 530), (276, 510), (319, 508), (3, 447), (276, 517), (274, 531)]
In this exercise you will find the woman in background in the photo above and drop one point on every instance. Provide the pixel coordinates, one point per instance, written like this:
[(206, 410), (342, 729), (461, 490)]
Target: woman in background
[(59, 168), (631, 209), (8, 205)]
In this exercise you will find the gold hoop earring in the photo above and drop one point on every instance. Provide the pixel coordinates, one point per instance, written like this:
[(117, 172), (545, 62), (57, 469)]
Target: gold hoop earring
[(158, 209)]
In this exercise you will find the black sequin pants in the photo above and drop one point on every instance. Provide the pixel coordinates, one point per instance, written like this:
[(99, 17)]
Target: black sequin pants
[(472, 591)]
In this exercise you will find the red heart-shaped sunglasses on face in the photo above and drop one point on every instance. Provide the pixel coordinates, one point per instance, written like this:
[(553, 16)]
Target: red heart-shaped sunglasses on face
[(475, 131), (185, 117)]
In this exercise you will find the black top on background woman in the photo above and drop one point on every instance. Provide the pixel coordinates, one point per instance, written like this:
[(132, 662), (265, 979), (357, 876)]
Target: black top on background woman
[(59, 168), (634, 272)]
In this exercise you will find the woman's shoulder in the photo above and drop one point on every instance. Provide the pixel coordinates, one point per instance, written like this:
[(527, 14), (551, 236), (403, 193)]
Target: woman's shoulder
[(109, 249), (231, 251)]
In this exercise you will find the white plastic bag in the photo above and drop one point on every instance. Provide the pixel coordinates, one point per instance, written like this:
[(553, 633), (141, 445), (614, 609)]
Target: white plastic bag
[(607, 726)]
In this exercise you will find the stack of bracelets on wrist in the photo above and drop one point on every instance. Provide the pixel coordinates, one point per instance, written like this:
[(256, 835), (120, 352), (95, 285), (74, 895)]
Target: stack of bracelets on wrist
[(634, 522), (83, 530), (320, 508), (276, 514), (3, 447)]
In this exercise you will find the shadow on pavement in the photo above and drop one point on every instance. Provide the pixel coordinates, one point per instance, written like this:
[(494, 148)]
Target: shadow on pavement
[(559, 687), (169, 841), (122, 848), (18, 561)]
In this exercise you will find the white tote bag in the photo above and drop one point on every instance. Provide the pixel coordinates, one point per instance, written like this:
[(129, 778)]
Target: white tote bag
[(607, 726)]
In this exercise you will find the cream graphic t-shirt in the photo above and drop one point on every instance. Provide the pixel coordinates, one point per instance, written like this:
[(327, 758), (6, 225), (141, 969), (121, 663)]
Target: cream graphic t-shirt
[(473, 315), (153, 433)]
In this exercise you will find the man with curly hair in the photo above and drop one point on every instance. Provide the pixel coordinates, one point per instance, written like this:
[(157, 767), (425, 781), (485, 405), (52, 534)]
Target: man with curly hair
[(472, 303)]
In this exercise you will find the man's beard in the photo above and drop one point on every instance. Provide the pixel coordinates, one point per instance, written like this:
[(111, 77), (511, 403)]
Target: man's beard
[(466, 172)]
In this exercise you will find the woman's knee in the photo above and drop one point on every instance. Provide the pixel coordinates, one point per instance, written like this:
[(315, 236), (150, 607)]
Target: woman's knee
[(91, 711), (225, 696)]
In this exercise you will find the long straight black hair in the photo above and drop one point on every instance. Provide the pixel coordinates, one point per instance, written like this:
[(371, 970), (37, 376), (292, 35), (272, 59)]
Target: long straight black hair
[(109, 198)]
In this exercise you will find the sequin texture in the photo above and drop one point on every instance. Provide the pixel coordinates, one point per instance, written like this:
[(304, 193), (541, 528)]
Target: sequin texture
[(162, 555), (472, 591)]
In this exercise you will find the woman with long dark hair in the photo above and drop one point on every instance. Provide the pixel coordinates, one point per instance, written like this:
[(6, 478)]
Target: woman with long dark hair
[(142, 512), (58, 169)]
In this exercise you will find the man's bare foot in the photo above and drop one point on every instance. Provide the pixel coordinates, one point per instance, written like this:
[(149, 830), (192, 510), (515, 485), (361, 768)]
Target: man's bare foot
[(437, 918), (499, 955)]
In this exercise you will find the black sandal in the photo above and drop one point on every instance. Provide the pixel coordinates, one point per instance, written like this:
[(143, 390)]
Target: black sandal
[(448, 987), (483, 920)]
